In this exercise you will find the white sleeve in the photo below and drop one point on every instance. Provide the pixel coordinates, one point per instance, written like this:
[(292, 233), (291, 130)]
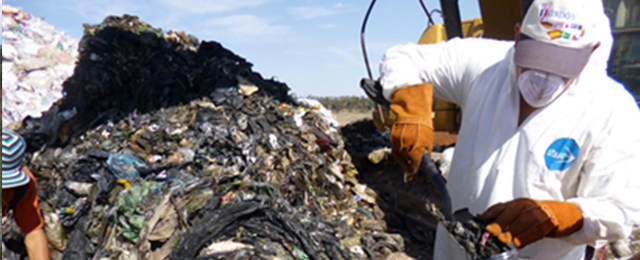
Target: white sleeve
[(450, 66), (609, 188)]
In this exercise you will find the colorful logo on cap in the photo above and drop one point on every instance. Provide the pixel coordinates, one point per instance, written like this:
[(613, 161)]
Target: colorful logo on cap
[(561, 154), (560, 30)]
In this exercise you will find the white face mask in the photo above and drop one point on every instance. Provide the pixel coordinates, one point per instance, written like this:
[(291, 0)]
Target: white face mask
[(540, 88)]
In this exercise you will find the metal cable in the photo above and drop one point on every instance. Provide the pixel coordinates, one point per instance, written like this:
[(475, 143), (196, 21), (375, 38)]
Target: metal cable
[(436, 11), (364, 49), (426, 11)]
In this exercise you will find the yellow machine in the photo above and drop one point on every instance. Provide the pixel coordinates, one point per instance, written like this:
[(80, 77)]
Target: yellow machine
[(447, 115), (497, 22)]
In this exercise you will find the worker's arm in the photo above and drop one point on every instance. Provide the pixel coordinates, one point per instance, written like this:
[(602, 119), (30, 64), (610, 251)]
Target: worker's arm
[(37, 245), (608, 191), (29, 219), (450, 66)]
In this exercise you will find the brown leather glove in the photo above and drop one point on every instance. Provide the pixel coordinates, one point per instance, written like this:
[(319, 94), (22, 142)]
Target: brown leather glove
[(412, 132), (525, 221)]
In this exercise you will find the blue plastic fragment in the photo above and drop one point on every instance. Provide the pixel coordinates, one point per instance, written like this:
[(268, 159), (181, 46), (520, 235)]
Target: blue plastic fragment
[(124, 166)]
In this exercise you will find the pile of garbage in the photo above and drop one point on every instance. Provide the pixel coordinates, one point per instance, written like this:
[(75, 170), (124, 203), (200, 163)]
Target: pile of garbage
[(36, 60), (168, 148)]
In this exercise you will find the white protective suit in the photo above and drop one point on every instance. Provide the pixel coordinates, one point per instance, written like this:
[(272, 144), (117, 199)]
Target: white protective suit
[(583, 148)]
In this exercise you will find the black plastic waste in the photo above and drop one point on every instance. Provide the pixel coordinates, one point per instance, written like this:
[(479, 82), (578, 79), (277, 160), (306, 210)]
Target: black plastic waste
[(176, 145)]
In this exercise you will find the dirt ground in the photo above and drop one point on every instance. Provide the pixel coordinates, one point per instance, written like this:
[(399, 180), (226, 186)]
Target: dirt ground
[(346, 117)]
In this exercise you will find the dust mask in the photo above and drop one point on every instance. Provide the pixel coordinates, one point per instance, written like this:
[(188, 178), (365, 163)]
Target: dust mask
[(540, 88)]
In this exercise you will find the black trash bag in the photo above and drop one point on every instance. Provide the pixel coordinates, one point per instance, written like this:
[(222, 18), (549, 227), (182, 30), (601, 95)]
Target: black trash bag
[(13, 240), (79, 212), (258, 218), (106, 183), (77, 244), (210, 226)]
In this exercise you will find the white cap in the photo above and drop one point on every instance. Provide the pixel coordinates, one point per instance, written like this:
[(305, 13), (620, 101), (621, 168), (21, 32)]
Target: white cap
[(558, 36)]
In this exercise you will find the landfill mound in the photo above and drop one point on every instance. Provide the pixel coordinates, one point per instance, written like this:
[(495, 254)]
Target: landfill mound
[(36, 59), (168, 148), (126, 66)]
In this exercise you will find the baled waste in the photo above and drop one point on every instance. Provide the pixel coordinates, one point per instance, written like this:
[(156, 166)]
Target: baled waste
[(36, 60)]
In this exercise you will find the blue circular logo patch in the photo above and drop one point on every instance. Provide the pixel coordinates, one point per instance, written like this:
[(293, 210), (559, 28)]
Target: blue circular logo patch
[(561, 154)]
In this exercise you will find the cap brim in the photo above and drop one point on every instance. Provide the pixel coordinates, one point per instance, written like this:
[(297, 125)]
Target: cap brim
[(563, 61), (12, 179)]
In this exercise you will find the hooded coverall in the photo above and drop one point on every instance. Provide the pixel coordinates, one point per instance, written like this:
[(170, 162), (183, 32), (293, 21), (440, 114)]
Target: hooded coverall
[(583, 148)]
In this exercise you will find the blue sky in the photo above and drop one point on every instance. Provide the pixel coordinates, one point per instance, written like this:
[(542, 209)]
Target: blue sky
[(313, 46)]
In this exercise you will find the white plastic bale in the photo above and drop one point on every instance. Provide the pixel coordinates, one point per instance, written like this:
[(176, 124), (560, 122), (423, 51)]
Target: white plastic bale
[(46, 58), (9, 52)]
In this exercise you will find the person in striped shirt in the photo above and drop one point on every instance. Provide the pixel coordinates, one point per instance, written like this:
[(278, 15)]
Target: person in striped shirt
[(20, 195)]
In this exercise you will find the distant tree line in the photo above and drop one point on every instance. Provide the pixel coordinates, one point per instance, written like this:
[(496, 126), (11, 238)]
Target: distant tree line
[(345, 103)]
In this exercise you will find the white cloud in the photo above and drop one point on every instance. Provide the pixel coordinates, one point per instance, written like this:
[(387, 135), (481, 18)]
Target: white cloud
[(343, 54), (327, 26), (380, 46), (90, 10), (204, 7), (245, 28), (180, 15), (298, 53), (309, 12), (165, 11), (338, 5)]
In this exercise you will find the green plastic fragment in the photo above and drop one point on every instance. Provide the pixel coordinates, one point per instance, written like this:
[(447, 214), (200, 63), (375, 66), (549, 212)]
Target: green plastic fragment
[(364, 211), (299, 253), (137, 221)]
